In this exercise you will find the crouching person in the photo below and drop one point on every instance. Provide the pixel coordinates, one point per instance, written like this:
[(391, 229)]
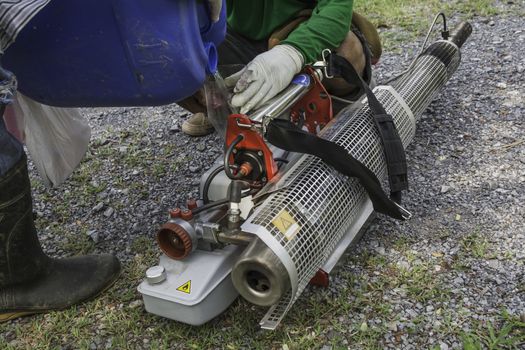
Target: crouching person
[(274, 40)]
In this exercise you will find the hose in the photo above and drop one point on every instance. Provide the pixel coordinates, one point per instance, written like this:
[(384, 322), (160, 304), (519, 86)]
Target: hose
[(227, 155), (444, 34), (219, 202), (207, 183)]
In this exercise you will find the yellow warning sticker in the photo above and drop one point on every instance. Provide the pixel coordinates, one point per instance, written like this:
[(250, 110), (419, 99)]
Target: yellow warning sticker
[(286, 224), (185, 288)]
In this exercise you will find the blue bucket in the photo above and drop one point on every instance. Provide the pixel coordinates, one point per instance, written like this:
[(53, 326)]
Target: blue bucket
[(78, 53)]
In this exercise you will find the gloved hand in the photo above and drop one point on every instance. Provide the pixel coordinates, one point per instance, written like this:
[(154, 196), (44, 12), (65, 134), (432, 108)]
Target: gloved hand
[(264, 77), (215, 9)]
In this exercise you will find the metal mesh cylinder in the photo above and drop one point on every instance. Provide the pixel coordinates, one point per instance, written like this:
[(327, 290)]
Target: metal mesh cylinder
[(318, 203)]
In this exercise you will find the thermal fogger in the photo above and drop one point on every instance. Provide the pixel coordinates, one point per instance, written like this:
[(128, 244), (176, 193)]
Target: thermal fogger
[(294, 189)]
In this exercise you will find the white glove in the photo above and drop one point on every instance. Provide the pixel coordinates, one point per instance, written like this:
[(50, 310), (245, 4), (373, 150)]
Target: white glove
[(215, 9), (264, 77)]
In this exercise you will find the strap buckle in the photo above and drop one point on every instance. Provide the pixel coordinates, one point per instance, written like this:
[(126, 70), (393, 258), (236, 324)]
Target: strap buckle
[(404, 213), (323, 65)]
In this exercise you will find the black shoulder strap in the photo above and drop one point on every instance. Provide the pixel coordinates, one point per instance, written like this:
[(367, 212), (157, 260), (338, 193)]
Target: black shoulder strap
[(392, 145), (287, 136)]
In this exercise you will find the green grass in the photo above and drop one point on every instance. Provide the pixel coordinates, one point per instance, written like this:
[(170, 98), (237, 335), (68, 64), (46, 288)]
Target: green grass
[(476, 245), (414, 17), (508, 333), (112, 320)]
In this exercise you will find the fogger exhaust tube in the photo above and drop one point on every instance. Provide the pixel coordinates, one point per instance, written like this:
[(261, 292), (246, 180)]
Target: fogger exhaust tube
[(461, 34), (259, 275)]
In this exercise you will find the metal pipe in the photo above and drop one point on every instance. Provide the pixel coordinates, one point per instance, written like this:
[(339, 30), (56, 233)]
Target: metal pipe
[(259, 275), (300, 85), (237, 238), (461, 34)]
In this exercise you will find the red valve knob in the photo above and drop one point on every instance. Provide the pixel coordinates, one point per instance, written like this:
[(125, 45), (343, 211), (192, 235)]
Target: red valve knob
[(191, 204), (186, 214), (175, 213), (174, 241)]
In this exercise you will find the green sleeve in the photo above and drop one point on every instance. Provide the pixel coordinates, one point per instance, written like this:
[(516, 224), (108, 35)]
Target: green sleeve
[(327, 28)]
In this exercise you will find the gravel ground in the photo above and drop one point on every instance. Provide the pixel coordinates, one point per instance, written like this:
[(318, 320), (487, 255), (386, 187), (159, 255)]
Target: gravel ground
[(467, 171), (454, 268)]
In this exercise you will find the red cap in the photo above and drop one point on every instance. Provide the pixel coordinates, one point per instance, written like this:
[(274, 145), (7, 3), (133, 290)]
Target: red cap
[(186, 214), (191, 204), (175, 213)]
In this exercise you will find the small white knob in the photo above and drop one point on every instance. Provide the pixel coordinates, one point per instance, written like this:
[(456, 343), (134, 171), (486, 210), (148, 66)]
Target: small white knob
[(156, 274)]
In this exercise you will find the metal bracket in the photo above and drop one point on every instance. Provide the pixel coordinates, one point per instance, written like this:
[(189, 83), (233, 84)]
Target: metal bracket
[(323, 65), (210, 231), (404, 213)]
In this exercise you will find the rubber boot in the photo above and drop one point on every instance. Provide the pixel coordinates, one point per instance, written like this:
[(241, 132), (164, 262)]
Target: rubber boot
[(30, 281)]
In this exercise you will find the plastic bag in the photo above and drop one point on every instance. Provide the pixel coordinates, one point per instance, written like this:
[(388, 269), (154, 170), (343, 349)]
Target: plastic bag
[(56, 138), (14, 122), (217, 103)]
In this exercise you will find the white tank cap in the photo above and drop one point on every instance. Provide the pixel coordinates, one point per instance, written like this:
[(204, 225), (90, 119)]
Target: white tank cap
[(155, 274)]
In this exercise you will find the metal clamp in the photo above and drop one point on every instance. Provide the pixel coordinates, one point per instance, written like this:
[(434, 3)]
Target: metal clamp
[(254, 126), (404, 213), (323, 65), (209, 231)]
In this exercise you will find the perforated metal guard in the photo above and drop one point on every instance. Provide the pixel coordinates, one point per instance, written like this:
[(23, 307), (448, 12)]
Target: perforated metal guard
[(325, 203)]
